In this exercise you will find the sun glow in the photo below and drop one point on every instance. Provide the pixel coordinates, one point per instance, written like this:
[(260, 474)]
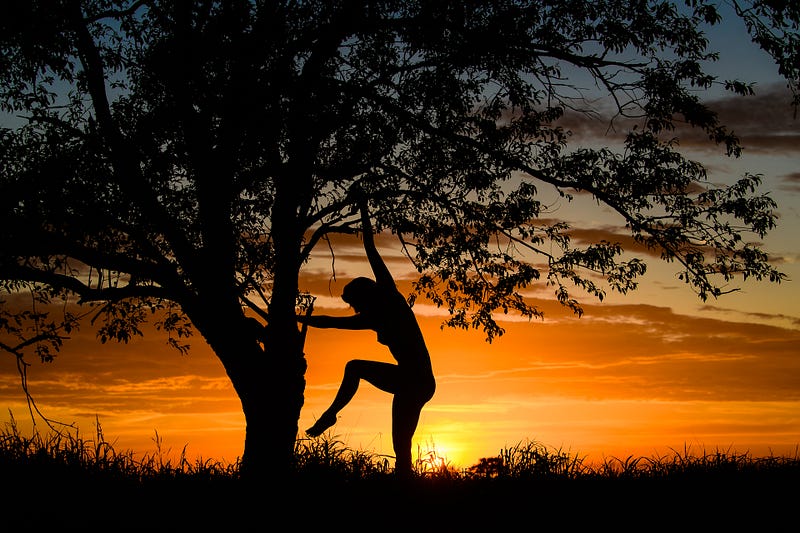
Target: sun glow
[(434, 456)]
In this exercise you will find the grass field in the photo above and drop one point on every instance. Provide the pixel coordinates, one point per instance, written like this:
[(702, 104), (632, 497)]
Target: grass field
[(63, 482)]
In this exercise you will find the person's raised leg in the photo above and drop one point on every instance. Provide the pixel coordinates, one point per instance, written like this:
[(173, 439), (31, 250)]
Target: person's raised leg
[(381, 375)]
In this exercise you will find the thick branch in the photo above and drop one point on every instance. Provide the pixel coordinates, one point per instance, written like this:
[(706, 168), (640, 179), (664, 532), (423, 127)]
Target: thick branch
[(84, 291)]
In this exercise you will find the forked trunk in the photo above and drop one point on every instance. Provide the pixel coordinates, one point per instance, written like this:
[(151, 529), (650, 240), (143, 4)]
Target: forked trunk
[(272, 387), (270, 384), (272, 395)]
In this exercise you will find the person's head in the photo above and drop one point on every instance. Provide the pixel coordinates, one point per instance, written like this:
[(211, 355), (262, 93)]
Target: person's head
[(360, 293)]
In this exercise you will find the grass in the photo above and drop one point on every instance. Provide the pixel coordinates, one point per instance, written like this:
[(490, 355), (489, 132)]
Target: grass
[(67, 479)]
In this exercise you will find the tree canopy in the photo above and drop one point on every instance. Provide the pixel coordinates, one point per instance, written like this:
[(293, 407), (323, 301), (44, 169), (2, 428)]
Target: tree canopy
[(167, 156)]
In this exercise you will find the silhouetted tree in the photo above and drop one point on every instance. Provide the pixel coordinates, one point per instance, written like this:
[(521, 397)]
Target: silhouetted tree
[(178, 160)]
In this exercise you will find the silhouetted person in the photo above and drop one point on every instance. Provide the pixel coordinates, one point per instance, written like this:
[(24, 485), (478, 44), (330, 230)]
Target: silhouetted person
[(379, 306)]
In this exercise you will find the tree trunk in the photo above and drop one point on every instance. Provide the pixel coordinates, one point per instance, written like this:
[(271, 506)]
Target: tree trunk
[(270, 384), (272, 395)]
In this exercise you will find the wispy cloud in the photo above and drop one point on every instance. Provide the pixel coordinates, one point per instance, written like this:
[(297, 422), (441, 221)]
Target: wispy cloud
[(791, 182), (764, 123), (744, 314)]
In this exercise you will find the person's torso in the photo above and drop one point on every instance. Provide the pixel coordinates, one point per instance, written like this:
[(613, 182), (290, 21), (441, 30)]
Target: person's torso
[(398, 329)]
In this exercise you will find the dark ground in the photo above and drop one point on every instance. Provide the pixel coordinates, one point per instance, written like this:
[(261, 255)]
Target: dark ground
[(738, 502)]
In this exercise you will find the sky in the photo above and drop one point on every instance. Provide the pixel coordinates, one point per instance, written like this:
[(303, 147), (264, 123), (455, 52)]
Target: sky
[(652, 373)]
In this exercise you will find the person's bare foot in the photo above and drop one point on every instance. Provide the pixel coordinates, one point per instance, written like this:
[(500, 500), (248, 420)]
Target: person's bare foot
[(323, 423)]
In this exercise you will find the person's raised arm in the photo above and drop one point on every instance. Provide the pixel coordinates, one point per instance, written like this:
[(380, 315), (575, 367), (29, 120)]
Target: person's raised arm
[(382, 274)]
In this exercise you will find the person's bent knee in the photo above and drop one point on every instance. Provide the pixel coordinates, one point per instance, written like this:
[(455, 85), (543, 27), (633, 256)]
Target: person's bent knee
[(354, 365)]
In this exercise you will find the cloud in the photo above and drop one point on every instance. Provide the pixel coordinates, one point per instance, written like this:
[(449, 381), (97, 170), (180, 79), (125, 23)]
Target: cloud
[(746, 315), (791, 182), (764, 123), (613, 234), (692, 356)]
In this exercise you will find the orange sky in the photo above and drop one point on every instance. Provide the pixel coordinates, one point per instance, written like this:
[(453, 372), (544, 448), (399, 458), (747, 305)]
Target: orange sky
[(621, 380), (627, 378)]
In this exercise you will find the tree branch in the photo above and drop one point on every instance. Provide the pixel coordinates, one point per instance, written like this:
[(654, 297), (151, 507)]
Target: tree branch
[(84, 291)]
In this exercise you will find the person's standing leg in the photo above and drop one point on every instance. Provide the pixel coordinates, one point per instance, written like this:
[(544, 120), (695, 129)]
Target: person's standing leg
[(405, 417)]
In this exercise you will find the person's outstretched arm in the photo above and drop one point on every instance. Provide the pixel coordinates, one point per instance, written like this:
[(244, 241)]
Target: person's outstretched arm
[(382, 274), (337, 322)]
